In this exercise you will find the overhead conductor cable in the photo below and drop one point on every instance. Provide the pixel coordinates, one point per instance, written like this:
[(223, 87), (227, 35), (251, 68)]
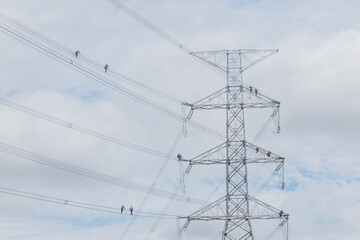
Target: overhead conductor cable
[(91, 174), (46, 50)]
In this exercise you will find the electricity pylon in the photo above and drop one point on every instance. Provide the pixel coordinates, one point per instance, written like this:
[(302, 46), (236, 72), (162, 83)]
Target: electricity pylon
[(240, 208)]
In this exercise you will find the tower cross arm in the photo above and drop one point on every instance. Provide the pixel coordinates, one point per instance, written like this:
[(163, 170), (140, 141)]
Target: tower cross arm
[(259, 210), (234, 217), (248, 57), (216, 100), (252, 98), (256, 154)]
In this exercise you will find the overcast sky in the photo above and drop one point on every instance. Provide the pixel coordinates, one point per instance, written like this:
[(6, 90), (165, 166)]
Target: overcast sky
[(314, 76)]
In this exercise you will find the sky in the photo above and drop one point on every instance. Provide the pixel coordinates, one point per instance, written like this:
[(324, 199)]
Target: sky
[(314, 76)]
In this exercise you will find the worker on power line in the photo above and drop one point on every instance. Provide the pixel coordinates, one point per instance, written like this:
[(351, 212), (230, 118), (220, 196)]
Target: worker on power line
[(281, 213), (106, 67), (256, 91), (251, 88), (77, 53), (268, 153), (179, 157), (257, 150), (131, 210), (122, 208)]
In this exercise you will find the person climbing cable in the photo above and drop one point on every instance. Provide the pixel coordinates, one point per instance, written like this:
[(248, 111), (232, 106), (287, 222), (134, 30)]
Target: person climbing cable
[(179, 157), (106, 68), (281, 213), (122, 208), (131, 210), (256, 91), (77, 53), (251, 88), (268, 153)]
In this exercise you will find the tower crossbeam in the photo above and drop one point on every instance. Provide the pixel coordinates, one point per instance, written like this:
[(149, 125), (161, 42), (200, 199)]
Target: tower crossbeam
[(255, 154), (251, 99)]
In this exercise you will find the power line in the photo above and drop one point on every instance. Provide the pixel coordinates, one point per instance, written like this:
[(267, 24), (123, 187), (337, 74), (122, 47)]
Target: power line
[(161, 33), (151, 26), (89, 206), (75, 127), (89, 61), (167, 205), (181, 230), (92, 73), (159, 174), (100, 78), (38, 46), (81, 129), (165, 208), (91, 174)]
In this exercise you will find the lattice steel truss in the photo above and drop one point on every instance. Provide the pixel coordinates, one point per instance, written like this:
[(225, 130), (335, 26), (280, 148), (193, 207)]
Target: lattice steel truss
[(240, 208)]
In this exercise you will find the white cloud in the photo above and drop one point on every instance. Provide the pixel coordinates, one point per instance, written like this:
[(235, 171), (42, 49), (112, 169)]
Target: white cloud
[(314, 76)]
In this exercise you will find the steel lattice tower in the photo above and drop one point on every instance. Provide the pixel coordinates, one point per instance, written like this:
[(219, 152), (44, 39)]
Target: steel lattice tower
[(240, 207)]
